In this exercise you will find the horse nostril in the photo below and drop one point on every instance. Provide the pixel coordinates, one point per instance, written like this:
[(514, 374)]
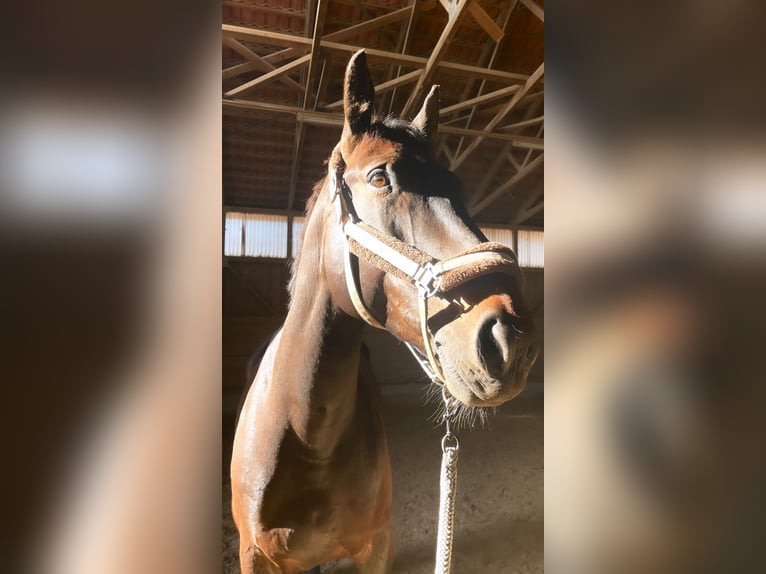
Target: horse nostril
[(495, 346)]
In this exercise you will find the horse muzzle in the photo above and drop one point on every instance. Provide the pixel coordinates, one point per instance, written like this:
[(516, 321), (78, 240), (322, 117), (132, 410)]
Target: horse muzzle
[(486, 354)]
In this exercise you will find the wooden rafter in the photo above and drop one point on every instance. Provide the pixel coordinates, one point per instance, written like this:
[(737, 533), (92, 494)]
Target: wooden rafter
[(524, 123), (483, 19), (529, 153), (526, 142), (384, 87), (324, 77), (479, 100), (368, 16), (500, 115), (321, 12), (529, 207), (406, 31), (351, 31), (298, 12), (314, 55), (491, 173), (276, 73), (457, 12), (487, 59), (324, 118), (259, 62), (521, 174), (280, 39), (310, 60), (238, 69), (297, 152), (535, 8)]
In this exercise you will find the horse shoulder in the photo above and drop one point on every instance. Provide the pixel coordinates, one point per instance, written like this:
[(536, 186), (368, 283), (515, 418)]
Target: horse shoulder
[(258, 436)]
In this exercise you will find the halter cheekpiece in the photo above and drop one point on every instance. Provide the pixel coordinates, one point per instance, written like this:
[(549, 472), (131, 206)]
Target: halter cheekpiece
[(431, 277)]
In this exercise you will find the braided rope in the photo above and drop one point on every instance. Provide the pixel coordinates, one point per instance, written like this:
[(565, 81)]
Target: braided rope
[(447, 490)]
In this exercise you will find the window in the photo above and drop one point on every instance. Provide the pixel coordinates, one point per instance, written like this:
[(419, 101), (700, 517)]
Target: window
[(234, 239), (255, 235), (499, 235), (530, 250), (261, 235), (530, 244)]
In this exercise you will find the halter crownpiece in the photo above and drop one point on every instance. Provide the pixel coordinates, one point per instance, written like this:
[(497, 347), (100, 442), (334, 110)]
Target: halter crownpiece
[(431, 276)]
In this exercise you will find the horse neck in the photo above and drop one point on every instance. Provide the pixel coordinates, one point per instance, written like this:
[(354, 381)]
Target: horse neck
[(317, 362)]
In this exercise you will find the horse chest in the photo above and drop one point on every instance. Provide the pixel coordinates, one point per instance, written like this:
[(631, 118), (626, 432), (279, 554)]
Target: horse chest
[(316, 507)]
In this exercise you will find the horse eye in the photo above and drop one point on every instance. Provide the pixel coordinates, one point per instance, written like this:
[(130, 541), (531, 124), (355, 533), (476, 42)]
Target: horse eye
[(378, 179)]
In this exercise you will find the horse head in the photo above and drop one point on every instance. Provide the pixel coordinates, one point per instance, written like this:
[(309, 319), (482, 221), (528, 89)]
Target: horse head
[(400, 251)]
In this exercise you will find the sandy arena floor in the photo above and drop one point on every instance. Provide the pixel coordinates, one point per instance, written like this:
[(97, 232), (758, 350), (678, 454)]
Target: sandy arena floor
[(499, 508)]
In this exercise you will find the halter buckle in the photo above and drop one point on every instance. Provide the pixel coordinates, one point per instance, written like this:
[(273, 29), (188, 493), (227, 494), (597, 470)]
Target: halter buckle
[(427, 280)]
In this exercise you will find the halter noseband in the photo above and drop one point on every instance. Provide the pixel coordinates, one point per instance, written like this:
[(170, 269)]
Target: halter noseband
[(430, 276)]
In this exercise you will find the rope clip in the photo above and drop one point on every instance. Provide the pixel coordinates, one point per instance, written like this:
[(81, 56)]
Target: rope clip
[(449, 440)]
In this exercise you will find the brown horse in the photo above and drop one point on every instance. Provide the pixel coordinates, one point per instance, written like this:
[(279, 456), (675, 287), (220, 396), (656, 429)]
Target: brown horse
[(387, 241)]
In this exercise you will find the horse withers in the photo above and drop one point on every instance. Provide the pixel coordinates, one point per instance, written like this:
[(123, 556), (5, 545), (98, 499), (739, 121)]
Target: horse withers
[(389, 242)]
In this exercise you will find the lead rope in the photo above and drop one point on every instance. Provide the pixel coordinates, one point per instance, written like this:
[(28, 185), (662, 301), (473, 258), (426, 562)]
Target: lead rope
[(447, 490)]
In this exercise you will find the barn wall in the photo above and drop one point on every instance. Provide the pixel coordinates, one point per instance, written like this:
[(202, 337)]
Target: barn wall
[(254, 304)]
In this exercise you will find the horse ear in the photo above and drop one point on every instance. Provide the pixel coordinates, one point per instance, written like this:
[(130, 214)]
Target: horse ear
[(427, 119), (358, 96)]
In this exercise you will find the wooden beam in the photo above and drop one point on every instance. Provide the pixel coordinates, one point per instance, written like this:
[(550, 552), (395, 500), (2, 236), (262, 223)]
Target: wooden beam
[(436, 54), (452, 121), (297, 12), (483, 73), (274, 74), (250, 209), (534, 7), (266, 36), (500, 115), (295, 167), (405, 35), (314, 55), (234, 71), (279, 39), (311, 117), (479, 100), (483, 20), (526, 142), (385, 86), (346, 33), (529, 153), (525, 123), (529, 207), (324, 78), (494, 47), (311, 6), (254, 58), (489, 199), (326, 119), (368, 16), (286, 54), (491, 173), (377, 23)]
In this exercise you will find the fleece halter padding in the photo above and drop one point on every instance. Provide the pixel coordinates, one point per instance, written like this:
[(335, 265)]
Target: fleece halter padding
[(405, 249), (482, 259), (455, 271)]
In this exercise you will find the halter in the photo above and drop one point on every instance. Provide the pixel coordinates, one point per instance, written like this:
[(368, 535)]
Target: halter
[(431, 277)]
